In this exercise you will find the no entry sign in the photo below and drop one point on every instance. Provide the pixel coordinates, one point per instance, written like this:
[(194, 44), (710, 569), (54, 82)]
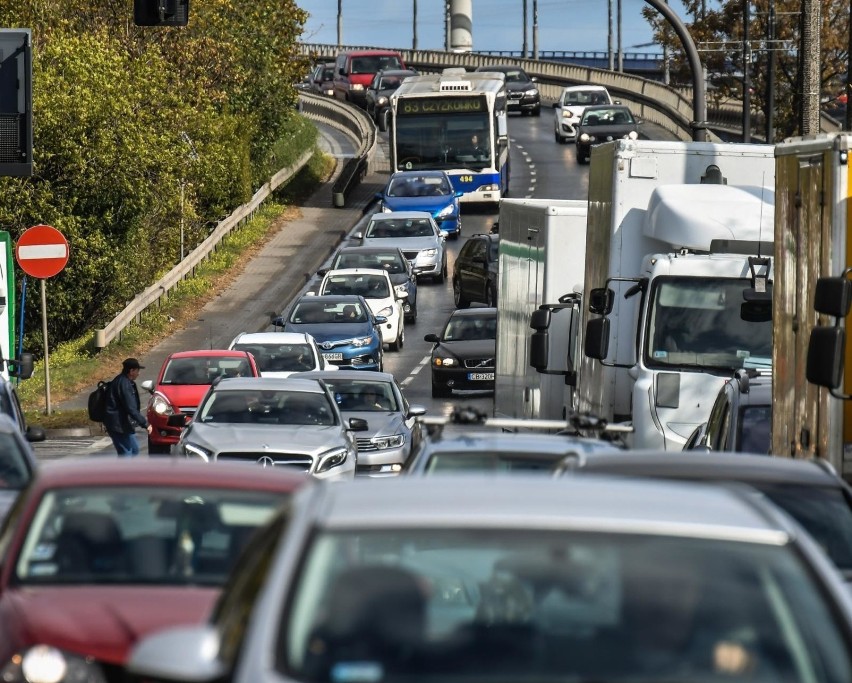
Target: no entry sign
[(42, 251)]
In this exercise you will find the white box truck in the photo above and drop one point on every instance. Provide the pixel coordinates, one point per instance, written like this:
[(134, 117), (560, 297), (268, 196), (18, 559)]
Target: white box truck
[(676, 294), (541, 261)]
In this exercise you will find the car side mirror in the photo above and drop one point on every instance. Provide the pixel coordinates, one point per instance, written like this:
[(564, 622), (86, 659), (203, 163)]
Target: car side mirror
[(358, 424), (341, 72), (556, 105), (458, 194), (416, 410), (432, 337), (148, 385), (378, 195), (534, 79), (278, 321), (380, 320), (186, 653), (444, 234), (322, 271), (358, 235), (35, 433), (178, 420)]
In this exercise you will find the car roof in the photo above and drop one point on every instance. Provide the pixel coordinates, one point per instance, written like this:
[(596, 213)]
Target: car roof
[(332, 298), (598, 504), (473, 312), (716, 466), (163, 472), (272, 338), (593, 107), (398, 72), (208, 353), (361, 53), (589, 86), (371, 249), (419, 174), (400, 214), (268, 383), (358, 271), (347, 374)]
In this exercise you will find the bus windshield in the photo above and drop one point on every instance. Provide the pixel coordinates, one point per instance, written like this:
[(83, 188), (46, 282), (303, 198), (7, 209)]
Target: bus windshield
[(444, 141)]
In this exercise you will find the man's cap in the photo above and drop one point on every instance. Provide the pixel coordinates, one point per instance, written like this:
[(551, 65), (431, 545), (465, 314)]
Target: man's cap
[(132, 364)]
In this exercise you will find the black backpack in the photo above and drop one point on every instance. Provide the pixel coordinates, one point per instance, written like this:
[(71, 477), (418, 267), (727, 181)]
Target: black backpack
[(98, 401)]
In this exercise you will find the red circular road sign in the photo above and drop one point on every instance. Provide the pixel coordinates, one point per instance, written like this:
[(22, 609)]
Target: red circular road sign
[(42, 251)]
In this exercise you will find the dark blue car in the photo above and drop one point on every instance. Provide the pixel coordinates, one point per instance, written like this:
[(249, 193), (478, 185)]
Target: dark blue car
[(430, 191), (345, 329)]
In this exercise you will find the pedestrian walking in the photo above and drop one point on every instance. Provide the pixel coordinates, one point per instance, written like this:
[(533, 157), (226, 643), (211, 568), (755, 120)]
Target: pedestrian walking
[(123, 412)]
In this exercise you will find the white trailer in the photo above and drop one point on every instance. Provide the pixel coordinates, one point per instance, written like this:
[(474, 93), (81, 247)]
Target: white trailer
[(678, 249), (542, 257)]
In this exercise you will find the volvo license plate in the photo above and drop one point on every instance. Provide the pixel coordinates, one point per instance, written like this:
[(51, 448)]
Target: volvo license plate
[(475, 376), (333, 356)]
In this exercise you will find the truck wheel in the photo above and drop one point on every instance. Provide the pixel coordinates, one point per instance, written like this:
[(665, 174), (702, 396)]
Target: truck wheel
[(458, 298), (440, 391), (382, 120), (157, 448)]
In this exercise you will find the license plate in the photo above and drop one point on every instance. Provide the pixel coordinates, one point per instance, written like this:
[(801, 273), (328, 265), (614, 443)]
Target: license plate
[(333, 356), (474, 376)]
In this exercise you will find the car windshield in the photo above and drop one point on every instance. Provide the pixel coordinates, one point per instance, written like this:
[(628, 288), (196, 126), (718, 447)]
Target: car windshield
[(583, 98), (419, 186), (754, 429), (400, 227), (494, 605), (315, 313), (281, 357), (266, 406), (140, 534), (516, 76), (465, 461), (363, 395), (203, 370), (391, 262), (607, 117), (390, 82), (368, 286), (373, 63), (14, 472), (698, 323), (469, 327)]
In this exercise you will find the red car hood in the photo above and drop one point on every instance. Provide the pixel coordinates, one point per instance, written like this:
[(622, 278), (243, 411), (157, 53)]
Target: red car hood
[(184, 395), (104, 622)]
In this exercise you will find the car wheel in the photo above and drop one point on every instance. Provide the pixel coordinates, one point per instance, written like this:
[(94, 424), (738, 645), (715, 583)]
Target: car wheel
[(442, 276), (536, 111), (440, 391), (557, 137), (412, 315), (400, 340), (458, 298), (158, 448), (581, 157), (383, 120)]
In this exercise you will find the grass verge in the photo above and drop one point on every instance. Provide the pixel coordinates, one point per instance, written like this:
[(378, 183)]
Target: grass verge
[(74, 366)]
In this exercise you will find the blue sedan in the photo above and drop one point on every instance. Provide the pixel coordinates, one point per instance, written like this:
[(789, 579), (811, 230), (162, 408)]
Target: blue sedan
[(429, 191), (345, 329)]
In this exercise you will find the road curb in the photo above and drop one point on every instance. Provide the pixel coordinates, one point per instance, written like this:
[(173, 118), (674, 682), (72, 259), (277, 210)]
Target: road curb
[(70, 432)]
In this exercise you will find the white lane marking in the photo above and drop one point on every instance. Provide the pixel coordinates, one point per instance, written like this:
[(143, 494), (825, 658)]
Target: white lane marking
[(103, 442), (517, 145), (416, 370)]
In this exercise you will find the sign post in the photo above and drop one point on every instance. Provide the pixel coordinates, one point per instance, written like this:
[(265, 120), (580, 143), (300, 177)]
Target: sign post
[(42, 252)]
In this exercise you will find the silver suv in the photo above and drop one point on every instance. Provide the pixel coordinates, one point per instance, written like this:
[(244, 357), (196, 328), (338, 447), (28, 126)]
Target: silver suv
[(416, 233), (292, 423)]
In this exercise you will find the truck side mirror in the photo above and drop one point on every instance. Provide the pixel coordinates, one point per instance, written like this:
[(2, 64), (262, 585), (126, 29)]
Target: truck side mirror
[(23, 367), (833, 296), (539, 349), (596, 344), (825, 356), (601, 300), (540, 319), (756, 311)]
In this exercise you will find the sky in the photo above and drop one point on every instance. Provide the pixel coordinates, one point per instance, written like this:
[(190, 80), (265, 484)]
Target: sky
[(573, 25)]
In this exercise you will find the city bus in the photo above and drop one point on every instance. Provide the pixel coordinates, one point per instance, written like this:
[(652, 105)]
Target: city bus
[(454, 121)]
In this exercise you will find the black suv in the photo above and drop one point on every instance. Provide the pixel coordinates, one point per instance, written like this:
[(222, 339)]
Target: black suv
[(521, 91), (475, 272), (377, 95)]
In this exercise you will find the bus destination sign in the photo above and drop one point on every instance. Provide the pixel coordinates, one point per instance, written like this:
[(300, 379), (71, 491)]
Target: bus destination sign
[(441, 105)]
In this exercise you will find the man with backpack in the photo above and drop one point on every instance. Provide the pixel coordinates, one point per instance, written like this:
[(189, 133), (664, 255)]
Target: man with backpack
[(122, 412)]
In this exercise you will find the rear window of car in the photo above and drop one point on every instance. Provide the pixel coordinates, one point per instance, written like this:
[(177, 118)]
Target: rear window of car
[(313, 313), (400, 227), (392, 262), (370, 64)]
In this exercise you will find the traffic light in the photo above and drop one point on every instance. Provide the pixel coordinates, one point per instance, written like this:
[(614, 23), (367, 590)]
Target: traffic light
[(160, 12), (16, 100)]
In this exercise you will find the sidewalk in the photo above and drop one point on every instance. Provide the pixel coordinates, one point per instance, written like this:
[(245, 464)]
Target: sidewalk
[(267, 283)]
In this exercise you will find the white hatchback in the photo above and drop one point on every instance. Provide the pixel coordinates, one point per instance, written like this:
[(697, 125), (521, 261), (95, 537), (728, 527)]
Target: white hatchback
[(568, 109), (280, 354), (381, 296)]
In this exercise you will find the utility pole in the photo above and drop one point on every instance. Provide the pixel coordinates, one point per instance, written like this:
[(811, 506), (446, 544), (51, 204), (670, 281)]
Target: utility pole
[(811, 49), (847, 90), (620, 51), (746, 74), (339, 23), (667, 76), (770, 75), (448, 14), (414, 25), (610, 57), (524, 51), (535, 29)]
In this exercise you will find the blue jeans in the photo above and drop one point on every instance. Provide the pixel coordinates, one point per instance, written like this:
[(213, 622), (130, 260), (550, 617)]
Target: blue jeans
[(126, 445)]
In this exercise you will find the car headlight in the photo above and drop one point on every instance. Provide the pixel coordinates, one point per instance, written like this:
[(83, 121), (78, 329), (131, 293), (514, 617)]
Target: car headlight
[(428, 252), (488, 188), (387, 311), (332, 458), (160, 405), (195, 451), (448, 210), (532, 91), (47, 664), (356, 86), (632, 135), (384, 442), (585, 137), (382, 100), (401, 290), (361, 341), (444, 362), (567, 113)]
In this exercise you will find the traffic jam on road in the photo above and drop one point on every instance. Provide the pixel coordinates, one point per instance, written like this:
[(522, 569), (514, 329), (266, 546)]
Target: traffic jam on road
[(581, 474)]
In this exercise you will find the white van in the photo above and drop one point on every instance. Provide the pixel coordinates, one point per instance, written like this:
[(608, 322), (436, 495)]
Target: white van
[(569, 108)]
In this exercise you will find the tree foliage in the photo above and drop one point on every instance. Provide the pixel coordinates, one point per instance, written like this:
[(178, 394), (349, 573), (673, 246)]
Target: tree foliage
[(124, 117), (717, 29)]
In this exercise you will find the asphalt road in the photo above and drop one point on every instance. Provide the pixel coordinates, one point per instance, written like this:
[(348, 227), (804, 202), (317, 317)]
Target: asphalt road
[(540, 168)]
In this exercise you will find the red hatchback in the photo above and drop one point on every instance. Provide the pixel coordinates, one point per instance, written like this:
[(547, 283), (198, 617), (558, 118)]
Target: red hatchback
[(96, 553), (183, 380)]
